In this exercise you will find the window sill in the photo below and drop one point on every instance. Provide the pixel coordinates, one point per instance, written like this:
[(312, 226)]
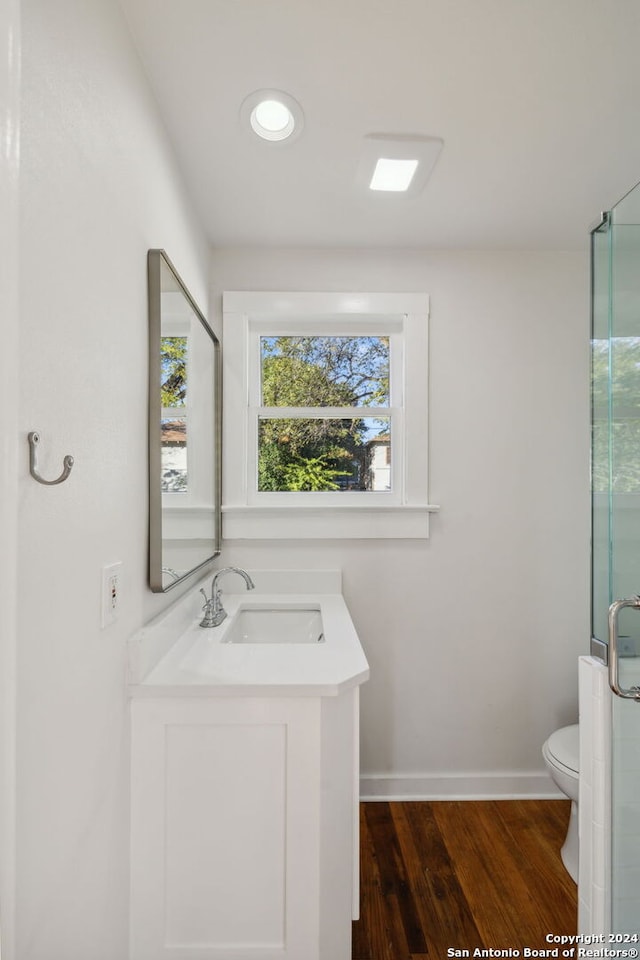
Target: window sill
[(188, 522), (326, 523)]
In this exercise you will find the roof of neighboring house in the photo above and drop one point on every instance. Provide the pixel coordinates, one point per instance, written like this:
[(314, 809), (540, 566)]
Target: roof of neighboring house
[(174, 431)]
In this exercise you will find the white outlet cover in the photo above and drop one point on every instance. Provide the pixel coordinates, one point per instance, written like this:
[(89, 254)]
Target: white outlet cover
[(111, 588)]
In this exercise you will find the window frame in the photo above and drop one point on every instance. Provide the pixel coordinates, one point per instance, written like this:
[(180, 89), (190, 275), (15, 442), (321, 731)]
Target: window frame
[(402, 511)]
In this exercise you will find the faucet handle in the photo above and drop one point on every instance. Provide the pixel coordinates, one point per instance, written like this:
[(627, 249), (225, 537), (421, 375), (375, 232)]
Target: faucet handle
[(206, 598)]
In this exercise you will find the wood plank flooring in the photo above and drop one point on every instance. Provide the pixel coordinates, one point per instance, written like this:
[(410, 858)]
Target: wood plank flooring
[(461, 875)]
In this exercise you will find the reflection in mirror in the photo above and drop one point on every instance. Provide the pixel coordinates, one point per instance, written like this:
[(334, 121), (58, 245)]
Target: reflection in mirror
[(184, 430)]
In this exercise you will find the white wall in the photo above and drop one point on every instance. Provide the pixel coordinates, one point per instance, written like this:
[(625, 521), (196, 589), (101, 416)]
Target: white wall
[(99, 187), (9, 295), (472, 636)]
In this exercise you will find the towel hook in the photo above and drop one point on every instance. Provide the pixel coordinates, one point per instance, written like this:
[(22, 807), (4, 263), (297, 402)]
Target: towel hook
[(34, 440)]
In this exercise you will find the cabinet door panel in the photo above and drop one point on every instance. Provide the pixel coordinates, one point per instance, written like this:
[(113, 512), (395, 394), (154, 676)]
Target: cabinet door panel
[(225, 835), (225, 829)]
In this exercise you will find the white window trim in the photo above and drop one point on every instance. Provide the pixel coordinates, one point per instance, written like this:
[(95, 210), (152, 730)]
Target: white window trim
[(401, 513)]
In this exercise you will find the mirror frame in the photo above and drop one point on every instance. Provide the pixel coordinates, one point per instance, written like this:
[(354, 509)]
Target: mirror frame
[(156, 259)]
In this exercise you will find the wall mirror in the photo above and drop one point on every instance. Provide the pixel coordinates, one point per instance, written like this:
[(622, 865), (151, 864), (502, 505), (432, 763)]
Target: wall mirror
[(184, 430)]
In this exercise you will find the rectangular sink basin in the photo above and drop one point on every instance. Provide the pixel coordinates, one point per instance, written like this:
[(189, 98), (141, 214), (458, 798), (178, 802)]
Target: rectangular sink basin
[(276, 625)]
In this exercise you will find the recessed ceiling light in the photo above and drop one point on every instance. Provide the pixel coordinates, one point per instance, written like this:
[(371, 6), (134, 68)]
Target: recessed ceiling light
[(398, 163), (272, 119), (272, 114), (393, 175)]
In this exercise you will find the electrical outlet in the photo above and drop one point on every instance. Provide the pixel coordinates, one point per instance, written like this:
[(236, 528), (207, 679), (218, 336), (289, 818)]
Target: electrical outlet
[(111, 587)]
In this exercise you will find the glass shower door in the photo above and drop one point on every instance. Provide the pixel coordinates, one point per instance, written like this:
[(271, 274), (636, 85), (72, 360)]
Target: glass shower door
[(616, 529)]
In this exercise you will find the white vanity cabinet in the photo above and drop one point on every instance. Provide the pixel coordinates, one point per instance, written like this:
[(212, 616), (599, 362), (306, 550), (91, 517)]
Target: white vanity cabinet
[(244, 828), (244, 805)]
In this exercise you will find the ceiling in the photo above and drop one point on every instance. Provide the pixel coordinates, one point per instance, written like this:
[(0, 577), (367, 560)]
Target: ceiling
[(537, 102)]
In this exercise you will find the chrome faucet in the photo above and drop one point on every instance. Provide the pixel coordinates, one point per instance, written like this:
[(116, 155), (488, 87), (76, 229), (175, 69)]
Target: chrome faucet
[(214, 612)]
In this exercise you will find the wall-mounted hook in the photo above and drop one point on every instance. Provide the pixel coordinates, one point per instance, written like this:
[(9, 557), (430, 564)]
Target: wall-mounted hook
[(34, 440)]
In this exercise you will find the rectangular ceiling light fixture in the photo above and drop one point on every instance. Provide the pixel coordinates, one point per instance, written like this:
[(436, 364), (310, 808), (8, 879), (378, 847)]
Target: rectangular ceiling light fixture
[(395, 175), (398, 163)]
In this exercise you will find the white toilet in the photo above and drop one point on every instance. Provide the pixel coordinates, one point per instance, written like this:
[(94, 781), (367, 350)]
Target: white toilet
[(561, 754)]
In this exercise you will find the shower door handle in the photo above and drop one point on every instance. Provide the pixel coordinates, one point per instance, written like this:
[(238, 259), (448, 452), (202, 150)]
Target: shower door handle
[(634, 692)]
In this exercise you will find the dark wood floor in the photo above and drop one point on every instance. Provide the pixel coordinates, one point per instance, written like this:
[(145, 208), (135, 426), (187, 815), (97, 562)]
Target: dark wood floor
[(460, 875)]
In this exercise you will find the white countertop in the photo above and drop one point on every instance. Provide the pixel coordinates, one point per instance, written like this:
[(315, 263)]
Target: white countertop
[(200, 663)]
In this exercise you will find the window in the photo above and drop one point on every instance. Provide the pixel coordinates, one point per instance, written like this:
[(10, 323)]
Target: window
[(173, 425), (325, 415), (320, 403), (616, 415)]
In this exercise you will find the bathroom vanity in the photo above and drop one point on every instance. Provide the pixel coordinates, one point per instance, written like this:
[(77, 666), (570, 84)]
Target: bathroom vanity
[(244, 805)]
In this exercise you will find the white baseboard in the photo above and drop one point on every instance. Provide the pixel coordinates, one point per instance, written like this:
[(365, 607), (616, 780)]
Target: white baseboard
[(473, 786)]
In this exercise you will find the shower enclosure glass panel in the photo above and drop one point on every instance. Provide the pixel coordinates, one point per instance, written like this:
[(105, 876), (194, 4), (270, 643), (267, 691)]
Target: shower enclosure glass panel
[(616, 522), (601, 592)]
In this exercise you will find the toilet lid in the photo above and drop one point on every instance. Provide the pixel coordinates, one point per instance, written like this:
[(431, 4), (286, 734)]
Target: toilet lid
[(564, 745)]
